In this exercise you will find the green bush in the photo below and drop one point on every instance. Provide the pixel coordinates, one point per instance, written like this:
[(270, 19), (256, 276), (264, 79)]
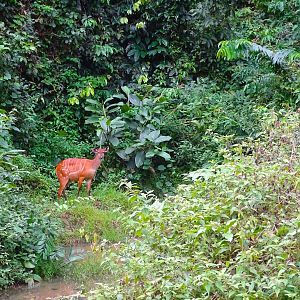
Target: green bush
[(202, 119), (28, 239), (27, 233), (51, 147), (233, 233), (131, 124), (32, 181), (160, 133)]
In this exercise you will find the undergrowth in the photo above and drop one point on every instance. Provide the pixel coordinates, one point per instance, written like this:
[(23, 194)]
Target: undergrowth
[(231, 233), (89, 270)]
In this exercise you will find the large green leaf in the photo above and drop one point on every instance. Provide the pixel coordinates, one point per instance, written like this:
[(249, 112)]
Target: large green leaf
[(152, 136), (114, 141), (129, 150), (92, 101), (123, 155), (165, 155), (92, 119), (126, 90), (29, 265), (91, 108), (139, 158), (117, 122), (104, 124), (134, 100), (150, 153), (144, 134), (162, 138)]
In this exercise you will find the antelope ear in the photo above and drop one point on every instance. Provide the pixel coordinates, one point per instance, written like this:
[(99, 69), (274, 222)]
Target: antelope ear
[(106, 149), (94, 150)]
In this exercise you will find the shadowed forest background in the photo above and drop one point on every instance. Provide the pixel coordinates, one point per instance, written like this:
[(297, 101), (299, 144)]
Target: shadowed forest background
[(198, 102)]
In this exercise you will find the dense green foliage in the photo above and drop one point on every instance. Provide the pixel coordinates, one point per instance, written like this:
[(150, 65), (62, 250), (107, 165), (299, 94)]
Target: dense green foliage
[(27, 232), (170, 87), (27, 237), (231, 234), (65, 66), (33, 229), (55, 50)]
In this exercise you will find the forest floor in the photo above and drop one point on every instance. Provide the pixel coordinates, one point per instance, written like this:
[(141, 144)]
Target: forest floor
[(91, 227)]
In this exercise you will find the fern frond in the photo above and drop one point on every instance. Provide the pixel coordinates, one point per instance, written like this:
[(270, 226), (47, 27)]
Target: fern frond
[(237, 49), (261, 49), (233, 49), (293, 57)]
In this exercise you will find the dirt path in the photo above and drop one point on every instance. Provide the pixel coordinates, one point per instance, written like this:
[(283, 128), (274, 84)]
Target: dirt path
[(40, 291)]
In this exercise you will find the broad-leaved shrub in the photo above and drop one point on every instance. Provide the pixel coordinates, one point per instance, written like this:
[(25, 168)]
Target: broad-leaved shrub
[(233, 233)]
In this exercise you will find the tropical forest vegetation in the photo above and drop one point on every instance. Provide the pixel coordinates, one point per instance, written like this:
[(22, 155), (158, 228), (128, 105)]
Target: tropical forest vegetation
[(197, 104)]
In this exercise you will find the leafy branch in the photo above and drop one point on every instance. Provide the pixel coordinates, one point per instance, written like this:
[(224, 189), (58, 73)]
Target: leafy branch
[(131, 124), (242, 48)]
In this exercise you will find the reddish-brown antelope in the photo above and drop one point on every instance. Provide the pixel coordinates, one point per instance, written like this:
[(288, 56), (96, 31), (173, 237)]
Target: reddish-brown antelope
[(78, 169)]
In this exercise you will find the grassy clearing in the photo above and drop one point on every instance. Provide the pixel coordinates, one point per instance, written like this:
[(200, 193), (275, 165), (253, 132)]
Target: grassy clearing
[(94, 218), (85, 221)]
